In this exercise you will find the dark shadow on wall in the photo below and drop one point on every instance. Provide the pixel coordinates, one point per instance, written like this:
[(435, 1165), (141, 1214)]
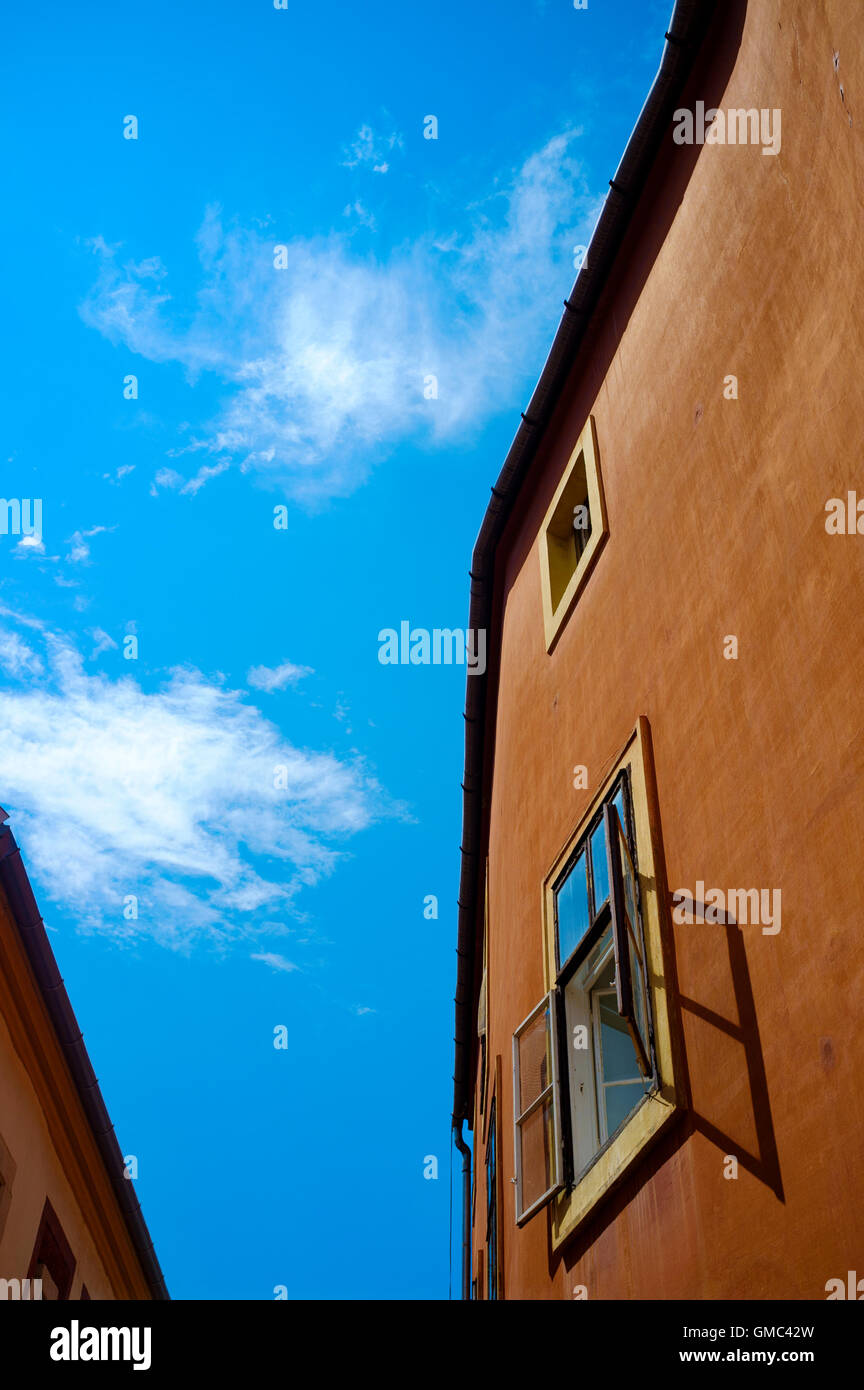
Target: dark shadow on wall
[(717, 1052), (762, 1160), (764, 1163)]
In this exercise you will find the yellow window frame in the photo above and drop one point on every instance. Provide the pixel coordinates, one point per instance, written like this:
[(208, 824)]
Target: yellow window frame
[(561, 583), (575, 1204)]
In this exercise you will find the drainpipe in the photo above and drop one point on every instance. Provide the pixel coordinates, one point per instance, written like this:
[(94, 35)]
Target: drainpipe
[(466, 1209)]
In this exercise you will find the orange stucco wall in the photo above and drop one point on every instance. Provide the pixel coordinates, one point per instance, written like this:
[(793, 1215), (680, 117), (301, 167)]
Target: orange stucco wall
[(750, 265)]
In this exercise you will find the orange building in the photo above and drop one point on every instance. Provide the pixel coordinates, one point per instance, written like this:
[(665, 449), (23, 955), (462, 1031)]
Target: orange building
[(70, 1223), (661, 955)]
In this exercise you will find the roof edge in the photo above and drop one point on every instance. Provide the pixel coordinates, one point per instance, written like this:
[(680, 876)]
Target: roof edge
[(16, 885), (687, 29)]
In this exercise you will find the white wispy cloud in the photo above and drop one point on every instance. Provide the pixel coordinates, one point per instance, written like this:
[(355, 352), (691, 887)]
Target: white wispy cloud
[(325, 363), (17, 658), (276, 677), (79, 550), (275, 961), (119, 474), (204, 474), (371, 150), (359, 214), (169, 795), (31, 545), (102, 642), (166, 478)]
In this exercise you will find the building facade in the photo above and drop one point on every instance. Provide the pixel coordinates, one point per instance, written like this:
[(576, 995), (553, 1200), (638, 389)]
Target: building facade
[(70, 1223), (661, 955)]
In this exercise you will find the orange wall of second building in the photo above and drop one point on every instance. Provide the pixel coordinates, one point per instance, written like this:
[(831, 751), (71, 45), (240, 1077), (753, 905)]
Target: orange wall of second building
[(45, 1131), (717, 526), (39, 1175)]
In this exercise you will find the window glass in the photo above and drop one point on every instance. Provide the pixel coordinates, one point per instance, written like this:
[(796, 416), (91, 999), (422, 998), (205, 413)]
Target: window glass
[(492, 1207), (618, 1053), (629, 888), (538, 1151), (601, 1064), (599, 867), (572, 905), (620, 1100), (581, 523), (537, 1137), (535, 1060), (594, 957), (621, 1086), (638, 990), (492, 1291)]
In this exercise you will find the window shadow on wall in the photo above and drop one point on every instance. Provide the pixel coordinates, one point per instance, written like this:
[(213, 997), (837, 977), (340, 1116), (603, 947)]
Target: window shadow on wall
[(720, 1065), (722, 1043)]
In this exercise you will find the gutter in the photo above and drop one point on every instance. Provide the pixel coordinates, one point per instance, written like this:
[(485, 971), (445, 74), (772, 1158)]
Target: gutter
[(37, 948), (687, 29), (466, 1209)]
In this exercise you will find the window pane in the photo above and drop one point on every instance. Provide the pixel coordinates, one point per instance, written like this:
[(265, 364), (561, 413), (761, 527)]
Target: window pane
[(572, 904), (620, 1100), (490, 1159), (629, 945), (618, 1055), (639, 1003), (629, 886), (492, 1206), (595, 956), (618, 803), (600, 867), (537, 1138), (535, 1063), (535, 1076), (581, 524)]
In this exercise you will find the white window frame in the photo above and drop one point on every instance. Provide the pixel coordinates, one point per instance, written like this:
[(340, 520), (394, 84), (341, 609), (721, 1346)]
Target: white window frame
[(548, 1004)]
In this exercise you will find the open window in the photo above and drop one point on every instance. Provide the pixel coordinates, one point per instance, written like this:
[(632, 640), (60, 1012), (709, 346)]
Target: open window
[(612, 1063), (630, 989), (600, 970), (594, 1068), (537, 1107)]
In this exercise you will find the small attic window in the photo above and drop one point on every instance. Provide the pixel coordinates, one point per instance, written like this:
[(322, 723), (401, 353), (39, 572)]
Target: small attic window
[(572, 533)]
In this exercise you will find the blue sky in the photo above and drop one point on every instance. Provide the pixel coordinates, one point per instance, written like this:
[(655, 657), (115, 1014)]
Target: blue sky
[(260, 387)]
